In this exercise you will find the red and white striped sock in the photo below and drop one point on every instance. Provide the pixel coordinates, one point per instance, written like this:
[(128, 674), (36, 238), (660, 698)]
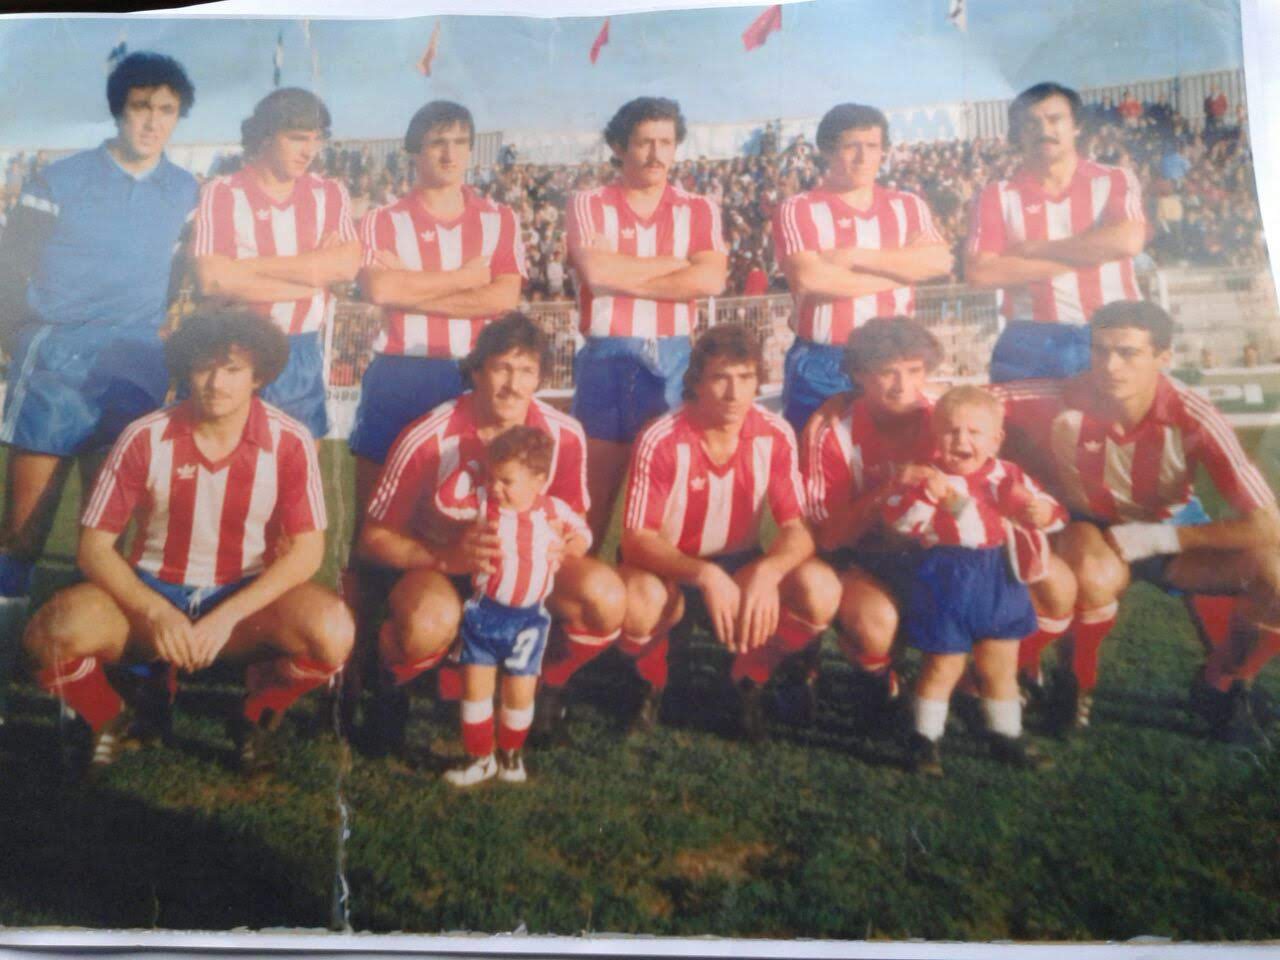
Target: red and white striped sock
[(1091, 628), (275, 684), (650, 657), (513, 727), (83, 686), (576, 649), (477, 727)]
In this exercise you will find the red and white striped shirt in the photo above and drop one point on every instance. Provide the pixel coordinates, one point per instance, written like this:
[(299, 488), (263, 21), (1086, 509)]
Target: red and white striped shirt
[(703, 509), (855, 455), (423, 242), (682, 225), (1013, 211), (988, 500), (1144, 474), (523, 575), (207, 524), (818, 221), (237, 219), (435, 445)]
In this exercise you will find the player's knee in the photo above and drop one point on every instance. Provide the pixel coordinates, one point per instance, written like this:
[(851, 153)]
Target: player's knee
[(1055, 595), (331, 633), (1100, 576), (602, 599), (1265, 562), (646, 601), (868, 621), (57, 631), (426, 621), (812, 592)]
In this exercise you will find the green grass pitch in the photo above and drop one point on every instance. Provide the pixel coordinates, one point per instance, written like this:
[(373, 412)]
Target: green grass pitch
[(1143, 827)]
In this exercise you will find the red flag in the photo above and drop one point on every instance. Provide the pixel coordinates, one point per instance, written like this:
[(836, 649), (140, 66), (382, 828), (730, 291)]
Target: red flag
[(601, 39), (428, 55), (763, 25)]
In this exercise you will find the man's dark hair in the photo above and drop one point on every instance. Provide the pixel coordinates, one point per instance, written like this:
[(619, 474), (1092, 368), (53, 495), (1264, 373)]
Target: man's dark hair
[(511, 331), (884, 340), (1140, 315), (617, 132), (1029, 97), (849, 116), (529, 445), (210, 334), (732, 340), (437, 113), (290, 108), (146, 69)]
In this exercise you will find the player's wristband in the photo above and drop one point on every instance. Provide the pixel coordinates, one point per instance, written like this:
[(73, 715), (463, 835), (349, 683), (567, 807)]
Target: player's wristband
[(1137, 541)]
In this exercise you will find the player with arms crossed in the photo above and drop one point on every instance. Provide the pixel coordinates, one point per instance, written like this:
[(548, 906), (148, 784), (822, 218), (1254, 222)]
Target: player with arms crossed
[(700, 480), (1059, 237), (85, 283), (432, 555), (1127, 441), (276, 237), (860, 448), (504, 623), (851, 250), (644, 250), (226, 494)]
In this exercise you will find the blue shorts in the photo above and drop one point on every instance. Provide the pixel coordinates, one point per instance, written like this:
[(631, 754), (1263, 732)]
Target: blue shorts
[(494, 634), (300, 390), (621, 383), (961, 595), (195, 602), (1155, 570), (74, 389), (894, 569), (396, 391), (813, 372), (1028, 350)]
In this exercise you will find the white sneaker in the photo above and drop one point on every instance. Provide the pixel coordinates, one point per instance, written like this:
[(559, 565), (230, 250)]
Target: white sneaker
[(477, 771), (511, 767)]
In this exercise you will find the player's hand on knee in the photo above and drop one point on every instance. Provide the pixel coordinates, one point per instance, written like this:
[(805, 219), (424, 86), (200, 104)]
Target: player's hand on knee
[(172, 635), (209, 635), (758, 619), (723, 600), (1137, 541)]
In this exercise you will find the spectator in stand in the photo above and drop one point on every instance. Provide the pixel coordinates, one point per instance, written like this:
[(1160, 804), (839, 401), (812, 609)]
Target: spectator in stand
[(1215, 108), (1130, 109)]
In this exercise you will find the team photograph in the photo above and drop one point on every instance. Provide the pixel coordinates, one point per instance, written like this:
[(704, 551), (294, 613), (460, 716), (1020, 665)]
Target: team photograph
[(797, 471)]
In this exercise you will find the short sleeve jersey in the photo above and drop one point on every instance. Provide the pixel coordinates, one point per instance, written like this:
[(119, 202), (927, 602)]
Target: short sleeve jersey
[(237, 219), (407, 230), (816, 221), (435, 445), (1145, 474), (206, 524), (683, 224), (706, 509), (1013, 211), (854, 455), (523, 576), (110, 258)]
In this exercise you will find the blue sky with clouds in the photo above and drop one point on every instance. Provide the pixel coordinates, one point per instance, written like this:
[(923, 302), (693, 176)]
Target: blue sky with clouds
[(522, 73)]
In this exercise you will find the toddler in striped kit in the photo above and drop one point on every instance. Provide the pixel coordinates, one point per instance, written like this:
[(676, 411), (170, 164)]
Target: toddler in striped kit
[(975, 514), (505, 624)]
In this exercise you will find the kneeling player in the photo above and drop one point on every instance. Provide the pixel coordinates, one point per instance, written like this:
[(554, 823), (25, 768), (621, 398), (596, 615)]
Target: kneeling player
[(965, 595), (228, 501), (1127, 442), (700, 479), (505, 622)]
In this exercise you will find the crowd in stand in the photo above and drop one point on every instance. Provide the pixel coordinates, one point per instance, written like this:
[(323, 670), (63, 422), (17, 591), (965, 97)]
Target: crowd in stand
[(1198, 185)]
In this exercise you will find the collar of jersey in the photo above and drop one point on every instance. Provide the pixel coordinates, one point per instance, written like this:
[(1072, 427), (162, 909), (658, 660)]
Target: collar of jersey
[(1081, 396), (257, 433), (620, 200), (157, 174)]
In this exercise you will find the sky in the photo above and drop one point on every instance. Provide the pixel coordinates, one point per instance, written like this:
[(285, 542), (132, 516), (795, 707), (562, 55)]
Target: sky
[(522, 73)]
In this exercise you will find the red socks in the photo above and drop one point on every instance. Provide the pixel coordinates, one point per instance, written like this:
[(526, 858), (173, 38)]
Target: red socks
[(275, 684), (1034, 645), (793, 635), (579, 648), (1091, 628), (650, 657), (477, 727), (83, 685)]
